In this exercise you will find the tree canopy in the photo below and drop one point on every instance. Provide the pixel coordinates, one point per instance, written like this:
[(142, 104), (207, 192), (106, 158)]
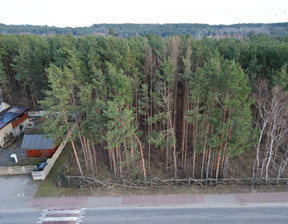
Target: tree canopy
[(179, 105)]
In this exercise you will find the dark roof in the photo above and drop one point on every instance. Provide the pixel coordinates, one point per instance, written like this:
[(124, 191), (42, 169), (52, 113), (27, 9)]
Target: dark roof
[(37, 142), (9, 114)]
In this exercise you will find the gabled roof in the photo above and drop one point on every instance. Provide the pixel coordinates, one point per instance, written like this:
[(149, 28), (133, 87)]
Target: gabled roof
[(37, 142), (9, 114)]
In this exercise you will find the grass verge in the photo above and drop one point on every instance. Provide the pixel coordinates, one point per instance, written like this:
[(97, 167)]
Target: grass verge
[(30, 161), (47, 187)]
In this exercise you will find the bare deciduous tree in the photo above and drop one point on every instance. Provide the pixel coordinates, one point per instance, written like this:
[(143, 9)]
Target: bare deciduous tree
[(272, 107)]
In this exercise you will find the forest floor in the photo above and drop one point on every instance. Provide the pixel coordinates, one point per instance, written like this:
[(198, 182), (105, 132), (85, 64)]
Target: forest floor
[(112, 191), (48, 187)]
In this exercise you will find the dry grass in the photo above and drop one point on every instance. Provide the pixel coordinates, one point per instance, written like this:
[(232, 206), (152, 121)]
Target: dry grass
[(239, 167), (113, 191), (48, 188)]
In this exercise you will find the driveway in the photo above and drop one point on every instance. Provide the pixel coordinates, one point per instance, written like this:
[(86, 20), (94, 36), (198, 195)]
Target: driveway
[(15, 148)]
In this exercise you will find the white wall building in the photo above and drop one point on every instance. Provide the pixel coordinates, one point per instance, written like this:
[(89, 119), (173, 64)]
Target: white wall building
[(13, 121)]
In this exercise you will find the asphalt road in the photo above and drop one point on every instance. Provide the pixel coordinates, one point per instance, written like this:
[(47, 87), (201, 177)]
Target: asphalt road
[(167, 215), (17, 205), (17, 216), (152, 215)]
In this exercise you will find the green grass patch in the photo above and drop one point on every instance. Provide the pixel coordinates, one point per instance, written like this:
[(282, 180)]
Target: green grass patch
[(30, 162)]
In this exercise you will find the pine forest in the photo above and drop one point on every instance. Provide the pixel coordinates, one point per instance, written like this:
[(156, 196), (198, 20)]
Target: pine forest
[(151, 106)]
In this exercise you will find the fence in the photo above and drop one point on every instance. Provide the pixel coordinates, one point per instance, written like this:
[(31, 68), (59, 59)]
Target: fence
[(16, 170), (65, 180), (88, 182)]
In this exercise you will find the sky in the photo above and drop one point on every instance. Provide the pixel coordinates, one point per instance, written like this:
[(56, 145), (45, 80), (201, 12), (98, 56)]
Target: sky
[(79, 13)]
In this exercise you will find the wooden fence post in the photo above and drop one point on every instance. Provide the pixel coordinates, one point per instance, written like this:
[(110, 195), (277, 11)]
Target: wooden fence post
[(69, 181)]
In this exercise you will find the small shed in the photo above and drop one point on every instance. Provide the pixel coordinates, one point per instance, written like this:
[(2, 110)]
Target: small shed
[(38, 146)]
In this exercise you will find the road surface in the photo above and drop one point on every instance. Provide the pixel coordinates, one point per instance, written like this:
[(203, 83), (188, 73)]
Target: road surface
[(17, 205), (148, 215)]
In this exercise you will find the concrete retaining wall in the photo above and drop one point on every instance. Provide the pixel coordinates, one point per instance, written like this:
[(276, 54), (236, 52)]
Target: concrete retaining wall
[(16, 170), (41, 175)]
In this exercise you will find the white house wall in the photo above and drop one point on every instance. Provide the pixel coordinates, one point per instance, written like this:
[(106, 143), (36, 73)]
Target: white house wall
[(6, 130), (9, 129), (16, 130)]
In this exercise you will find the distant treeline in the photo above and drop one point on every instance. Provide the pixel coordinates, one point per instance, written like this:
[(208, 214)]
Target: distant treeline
[(164, 30)]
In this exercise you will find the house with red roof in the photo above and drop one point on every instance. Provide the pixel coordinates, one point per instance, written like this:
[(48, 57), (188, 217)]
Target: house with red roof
[(13, 121)]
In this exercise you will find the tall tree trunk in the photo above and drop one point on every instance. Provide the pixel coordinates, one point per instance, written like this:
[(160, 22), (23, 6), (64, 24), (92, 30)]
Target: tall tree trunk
[(141, 153), (187, 72), (266, 151), (82, 138), (136, 107), (225, 151), (148, 131), (208, 163), (116, 158), (126, 154), (167, 152), (257, 160), (91, 157), (9, 96), (270, 149), (183, 133), (195, 130), (95, 155), (150, 127), (175, 158), (194, 134), (221, 143), (142, 157), (110, 157), (226, 165), (114, 161), (72, 142), (212, 166), (204, 149), (83, 150), (32, 96), (186, 148), (132, 149), (174, 140), (118, 150)]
